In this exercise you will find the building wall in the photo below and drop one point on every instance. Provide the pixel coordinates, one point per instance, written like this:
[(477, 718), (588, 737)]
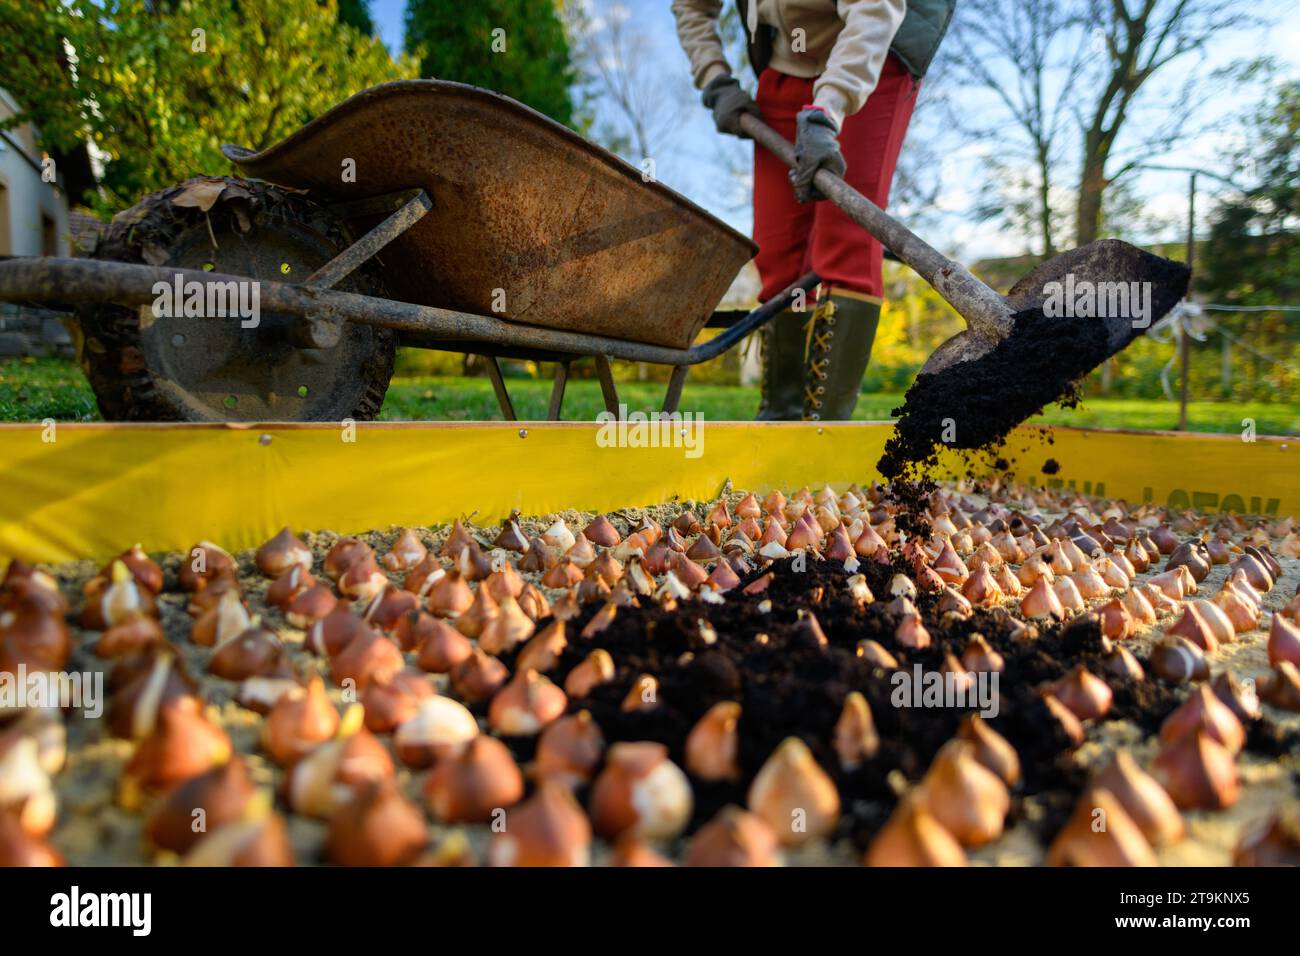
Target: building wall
[(33, 214), (33, 222)]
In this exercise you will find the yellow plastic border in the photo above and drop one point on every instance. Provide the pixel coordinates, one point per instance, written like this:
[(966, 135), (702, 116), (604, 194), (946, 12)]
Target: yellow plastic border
[(74, 491)]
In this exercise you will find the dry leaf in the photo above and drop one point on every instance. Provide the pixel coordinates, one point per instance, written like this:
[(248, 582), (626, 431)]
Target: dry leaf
[(200, 194)]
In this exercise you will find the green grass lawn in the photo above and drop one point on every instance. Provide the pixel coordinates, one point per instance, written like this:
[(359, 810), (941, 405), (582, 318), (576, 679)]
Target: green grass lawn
[(32, 390)]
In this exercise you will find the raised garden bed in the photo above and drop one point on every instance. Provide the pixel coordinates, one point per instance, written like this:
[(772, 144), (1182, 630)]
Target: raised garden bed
[(782, 636)]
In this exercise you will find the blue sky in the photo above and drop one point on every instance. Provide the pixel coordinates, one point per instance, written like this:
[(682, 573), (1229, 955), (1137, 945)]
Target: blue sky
[(698, 162)]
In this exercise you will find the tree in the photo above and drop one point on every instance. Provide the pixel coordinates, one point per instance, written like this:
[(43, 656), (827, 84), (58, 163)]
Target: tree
[(159, 87), (1140, 38), (1020, 52), (616, 68), (515, 47), (1252, 257), (1066, 79), (1264, 217), (356, 14)]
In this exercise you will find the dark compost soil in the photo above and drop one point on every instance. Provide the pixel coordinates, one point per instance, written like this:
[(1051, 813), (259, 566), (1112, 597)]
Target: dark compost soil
[(790, 684)]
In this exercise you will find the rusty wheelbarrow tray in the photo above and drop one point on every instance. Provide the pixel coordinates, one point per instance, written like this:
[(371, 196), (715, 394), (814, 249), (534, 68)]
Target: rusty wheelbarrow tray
[(488, 228), (524, 212)]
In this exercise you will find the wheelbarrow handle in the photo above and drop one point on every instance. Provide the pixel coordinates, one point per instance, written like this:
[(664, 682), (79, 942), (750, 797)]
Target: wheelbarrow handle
[(984, 310)]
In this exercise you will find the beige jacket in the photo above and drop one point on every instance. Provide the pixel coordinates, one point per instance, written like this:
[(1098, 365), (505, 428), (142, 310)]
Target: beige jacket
[(843, 42)]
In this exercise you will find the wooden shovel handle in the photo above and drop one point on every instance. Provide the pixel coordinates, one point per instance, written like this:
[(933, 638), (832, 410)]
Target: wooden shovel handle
[(986, 312)]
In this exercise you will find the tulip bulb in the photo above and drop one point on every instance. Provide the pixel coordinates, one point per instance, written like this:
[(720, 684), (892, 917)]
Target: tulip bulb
[(221, 794), (25, 786), (1100, 833), (439, 728), (1041, 601), (406, 552), (991, 749), (968, 799), (1085, 694), (525, 705), (1239, 697), (115, 598), (281, 553), (1067, 592), (1281, 687), (391, 699), (982, 588), (548, 829), (1142, 797), (794, 795), (1283, 641), (312, 605), (1203, 712), (1273, 841), (569, 750), (1137, 605), (257, 837), (368, 656), (298, 722), (324, 779), (1178, 660), (734, 837), (471, 786), (1193, 626), (204, 563), (18, 847), (855, 738), (377, 826), (1198, 772), (712, 745), (640, 792), (183, 744), (913, 837)]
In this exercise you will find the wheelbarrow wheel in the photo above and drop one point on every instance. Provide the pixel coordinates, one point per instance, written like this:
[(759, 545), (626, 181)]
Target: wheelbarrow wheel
[(179, 367)]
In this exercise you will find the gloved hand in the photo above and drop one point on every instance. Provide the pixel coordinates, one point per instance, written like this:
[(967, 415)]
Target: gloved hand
[(815, 147), (728, 100)]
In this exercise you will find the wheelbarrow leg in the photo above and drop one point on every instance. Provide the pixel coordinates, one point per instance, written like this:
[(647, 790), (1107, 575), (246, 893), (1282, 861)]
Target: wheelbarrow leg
[(499, 385), (607, 388), (557, 392), (674, 395)]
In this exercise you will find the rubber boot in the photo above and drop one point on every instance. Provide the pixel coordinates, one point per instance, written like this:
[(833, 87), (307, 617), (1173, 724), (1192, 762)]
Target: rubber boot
[(782, 345), (839, 339)]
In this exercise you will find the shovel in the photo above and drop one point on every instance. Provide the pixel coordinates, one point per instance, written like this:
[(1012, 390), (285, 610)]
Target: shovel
[(990, 317)]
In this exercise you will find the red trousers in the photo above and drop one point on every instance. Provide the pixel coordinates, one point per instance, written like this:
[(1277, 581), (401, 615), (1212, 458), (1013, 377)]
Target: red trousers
[(795, 238)]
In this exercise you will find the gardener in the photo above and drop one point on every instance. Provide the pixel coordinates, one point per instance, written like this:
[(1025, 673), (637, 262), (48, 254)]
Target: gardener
[(840, 78)]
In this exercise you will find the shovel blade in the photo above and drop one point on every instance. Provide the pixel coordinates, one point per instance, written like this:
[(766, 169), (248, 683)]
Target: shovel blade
[(1121, 288)]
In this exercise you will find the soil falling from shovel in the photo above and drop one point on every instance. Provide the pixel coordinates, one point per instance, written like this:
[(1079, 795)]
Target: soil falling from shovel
[(976, 403)]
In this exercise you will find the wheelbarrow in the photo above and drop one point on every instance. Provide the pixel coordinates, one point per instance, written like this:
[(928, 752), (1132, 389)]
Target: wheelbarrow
[(483, 228), (417, 213)]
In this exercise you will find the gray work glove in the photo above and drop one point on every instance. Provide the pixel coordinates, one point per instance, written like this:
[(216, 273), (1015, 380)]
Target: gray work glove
[(728, 100), (815, 148)]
